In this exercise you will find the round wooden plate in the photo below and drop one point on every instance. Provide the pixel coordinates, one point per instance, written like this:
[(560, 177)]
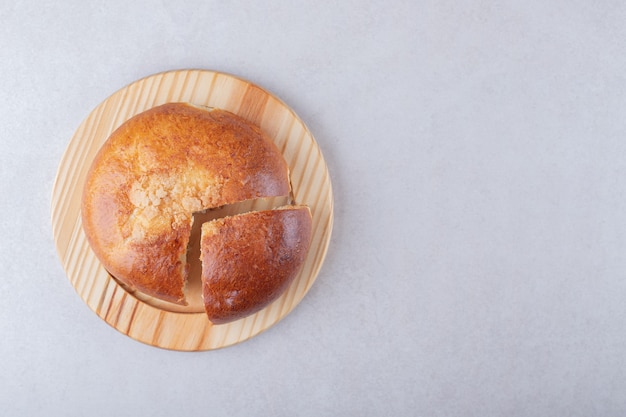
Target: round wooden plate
[(148, 320)]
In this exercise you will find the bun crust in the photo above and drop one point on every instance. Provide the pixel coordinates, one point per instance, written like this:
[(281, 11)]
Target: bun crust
[(249, 260), (154, 172)]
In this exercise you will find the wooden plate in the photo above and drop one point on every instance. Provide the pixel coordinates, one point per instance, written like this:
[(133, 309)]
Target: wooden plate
[(148, 320)]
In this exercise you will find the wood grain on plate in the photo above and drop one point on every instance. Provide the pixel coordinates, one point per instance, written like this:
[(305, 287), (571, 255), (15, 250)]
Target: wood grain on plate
[(151, 321)]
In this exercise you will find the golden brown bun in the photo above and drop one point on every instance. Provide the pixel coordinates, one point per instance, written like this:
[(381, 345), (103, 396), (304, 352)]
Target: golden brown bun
[(156, 170), (249, 260)]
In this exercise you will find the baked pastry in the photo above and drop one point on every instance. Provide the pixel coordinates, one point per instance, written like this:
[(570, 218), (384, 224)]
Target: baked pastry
[(248, 260), (154, 172)]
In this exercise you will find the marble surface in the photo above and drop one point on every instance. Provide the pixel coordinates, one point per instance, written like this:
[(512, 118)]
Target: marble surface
[(478, 157)]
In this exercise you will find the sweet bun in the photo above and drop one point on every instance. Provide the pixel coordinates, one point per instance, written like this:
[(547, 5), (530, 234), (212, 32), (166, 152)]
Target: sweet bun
[(154, 172), (248, 260)]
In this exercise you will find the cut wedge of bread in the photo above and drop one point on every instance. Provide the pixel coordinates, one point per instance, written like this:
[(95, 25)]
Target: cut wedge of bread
[(248, 260)]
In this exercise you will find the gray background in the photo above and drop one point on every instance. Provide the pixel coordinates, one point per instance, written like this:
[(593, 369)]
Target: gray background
[(478, 155)]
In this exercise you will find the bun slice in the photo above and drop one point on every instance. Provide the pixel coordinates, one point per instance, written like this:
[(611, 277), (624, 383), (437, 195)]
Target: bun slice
[(249, 260), (159, 168)]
